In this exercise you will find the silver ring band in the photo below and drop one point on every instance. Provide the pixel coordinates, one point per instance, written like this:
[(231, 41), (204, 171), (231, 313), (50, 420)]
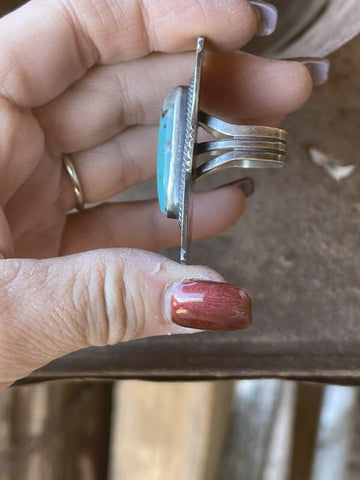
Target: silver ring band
[(71, 170)]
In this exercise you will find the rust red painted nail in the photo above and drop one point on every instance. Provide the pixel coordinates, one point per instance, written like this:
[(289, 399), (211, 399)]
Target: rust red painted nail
[(210, 306)]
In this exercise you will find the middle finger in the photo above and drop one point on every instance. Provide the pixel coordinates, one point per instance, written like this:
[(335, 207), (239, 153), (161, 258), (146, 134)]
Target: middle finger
[(112, 98)]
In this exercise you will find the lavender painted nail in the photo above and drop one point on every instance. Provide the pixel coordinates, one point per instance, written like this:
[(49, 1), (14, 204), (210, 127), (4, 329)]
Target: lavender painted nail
[(318, 68), (268, 17)]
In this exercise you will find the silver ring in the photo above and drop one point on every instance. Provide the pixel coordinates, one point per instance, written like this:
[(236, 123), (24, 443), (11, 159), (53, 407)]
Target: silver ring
[(71, 170), (182, 162)]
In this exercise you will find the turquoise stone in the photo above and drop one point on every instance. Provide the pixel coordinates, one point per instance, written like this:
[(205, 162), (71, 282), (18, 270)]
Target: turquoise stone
[(166, 131)]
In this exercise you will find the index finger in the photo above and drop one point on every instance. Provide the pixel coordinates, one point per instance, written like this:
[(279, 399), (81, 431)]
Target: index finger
[(48, 44)]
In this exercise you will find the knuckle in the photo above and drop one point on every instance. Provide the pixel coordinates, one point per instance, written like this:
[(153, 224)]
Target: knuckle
[(126, 304), (130, 171), (133, 111), (13, 79), (145, 21), (118, 310), (85, 49)]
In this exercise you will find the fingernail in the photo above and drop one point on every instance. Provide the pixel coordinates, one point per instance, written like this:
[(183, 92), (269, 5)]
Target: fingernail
[(246, 185), (208, 305), (318, 68), (268, 17)]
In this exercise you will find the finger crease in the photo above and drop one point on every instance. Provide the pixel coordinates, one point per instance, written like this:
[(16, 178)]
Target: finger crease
[(85, 59), (146, 25)]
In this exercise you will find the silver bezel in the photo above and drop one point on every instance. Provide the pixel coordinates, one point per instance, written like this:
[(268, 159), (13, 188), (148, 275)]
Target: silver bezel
[(185, 216), (179, 98)]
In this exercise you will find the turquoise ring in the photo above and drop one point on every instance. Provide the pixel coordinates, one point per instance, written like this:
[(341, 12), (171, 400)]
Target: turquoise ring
[(182, 163)]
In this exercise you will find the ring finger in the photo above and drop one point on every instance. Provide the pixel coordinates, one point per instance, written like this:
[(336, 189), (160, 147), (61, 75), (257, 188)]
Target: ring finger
[(123, 161), (104, 171)]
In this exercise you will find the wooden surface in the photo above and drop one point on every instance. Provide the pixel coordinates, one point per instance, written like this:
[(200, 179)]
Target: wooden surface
[(180, 430), (168, 431), (259, 442), (306, 414), (55, 431)]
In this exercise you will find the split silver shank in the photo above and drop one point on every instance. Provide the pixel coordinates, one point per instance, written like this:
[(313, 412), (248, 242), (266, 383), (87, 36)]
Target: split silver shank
[(242, 146)]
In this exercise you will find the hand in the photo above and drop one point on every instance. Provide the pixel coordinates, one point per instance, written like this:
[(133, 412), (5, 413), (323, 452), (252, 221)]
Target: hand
[(88, 78)]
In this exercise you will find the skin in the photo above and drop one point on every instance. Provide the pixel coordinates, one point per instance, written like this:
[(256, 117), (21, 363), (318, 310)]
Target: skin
[(76, 84)]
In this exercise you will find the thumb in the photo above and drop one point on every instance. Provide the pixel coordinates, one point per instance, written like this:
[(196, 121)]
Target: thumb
[(49, 308)]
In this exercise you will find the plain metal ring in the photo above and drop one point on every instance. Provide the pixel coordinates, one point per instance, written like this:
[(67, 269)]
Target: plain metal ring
[(71, 170)]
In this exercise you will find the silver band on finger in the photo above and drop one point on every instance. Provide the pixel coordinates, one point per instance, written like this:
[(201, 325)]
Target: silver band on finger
[(71, 170)]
